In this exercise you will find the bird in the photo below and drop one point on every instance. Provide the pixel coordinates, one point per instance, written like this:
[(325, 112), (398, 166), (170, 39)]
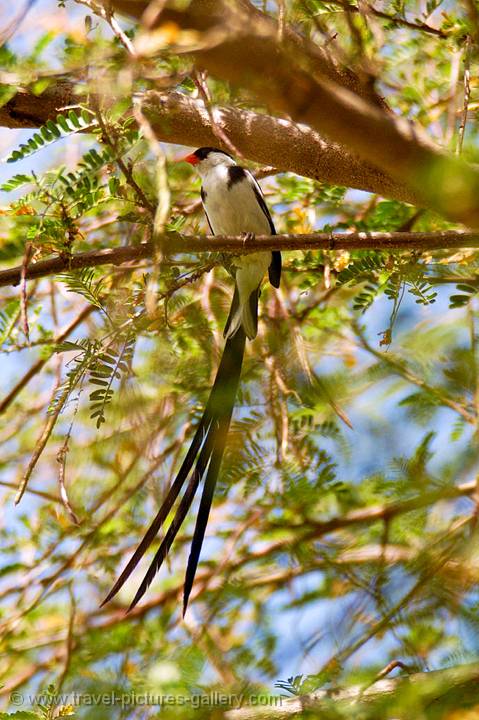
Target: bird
[(234, 205)]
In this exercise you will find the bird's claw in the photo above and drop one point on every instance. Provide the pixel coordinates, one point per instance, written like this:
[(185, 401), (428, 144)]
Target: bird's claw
[(247, 237)]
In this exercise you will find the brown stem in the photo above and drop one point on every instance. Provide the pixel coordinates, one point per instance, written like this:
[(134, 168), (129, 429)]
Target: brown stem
[(195, 244), (394, 19)]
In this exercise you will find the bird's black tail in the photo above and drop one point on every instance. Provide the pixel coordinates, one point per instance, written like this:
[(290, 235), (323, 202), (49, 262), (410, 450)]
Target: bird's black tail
[(204, 456)]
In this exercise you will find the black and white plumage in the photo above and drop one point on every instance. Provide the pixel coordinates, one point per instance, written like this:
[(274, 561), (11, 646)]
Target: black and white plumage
[(234, 205)]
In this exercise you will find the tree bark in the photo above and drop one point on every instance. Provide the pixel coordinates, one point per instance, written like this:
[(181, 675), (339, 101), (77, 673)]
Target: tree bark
[(290, 147), (180, 119), (238, 46)]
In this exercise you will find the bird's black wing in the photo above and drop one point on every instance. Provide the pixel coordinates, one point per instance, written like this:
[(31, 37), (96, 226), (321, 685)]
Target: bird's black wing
[(260, 198), (274, 270)]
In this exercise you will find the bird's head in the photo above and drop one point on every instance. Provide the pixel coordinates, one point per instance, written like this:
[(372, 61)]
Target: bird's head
[(206, 158)]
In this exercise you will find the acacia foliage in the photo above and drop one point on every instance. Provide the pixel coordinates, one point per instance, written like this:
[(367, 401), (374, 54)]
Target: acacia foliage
[(303, 582)]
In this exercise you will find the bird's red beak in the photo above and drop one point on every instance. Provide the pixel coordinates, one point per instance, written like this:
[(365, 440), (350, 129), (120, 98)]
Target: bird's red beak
[(192, 159)]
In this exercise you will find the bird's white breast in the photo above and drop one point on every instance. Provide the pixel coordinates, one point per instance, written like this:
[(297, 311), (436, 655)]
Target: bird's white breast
[(232, 210), (235, 210)]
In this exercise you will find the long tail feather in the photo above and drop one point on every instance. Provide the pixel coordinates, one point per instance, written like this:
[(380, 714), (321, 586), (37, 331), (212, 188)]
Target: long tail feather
[(200, 527), (180, 515), (209, 441), (204, 509), (231, 362), (210, 484), (168, 502)]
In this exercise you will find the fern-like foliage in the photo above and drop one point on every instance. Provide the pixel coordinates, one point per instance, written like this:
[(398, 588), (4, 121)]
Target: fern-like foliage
[(78, 367), (53, 130), (365, 269), (85, 284), (8, 317), (303, 490), (467, 292), (366, 297), (293, 685), (81, 186), (360, 268), (17, 181), (108, 367), (422, 290), (104, 367)]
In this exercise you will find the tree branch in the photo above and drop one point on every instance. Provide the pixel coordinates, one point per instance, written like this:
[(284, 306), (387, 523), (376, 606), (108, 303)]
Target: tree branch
[(243, 48), (313, 531), (204, 16), (26, 110), (424, 687), (290, 147), (396, 19), (180, 119), (174, 244)]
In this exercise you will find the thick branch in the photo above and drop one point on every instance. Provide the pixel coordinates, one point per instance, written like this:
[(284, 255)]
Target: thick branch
[(194, 244), (183, 120), (289, 146), (26, 110), (243, 48), (211, 15)]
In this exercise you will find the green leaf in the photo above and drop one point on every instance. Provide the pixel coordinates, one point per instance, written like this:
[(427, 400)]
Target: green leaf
[(16, 181), (50, 132), (85, 284), (8, 317)]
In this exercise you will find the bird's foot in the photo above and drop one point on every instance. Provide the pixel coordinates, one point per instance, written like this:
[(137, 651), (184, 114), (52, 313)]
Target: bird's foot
[(247, 237)]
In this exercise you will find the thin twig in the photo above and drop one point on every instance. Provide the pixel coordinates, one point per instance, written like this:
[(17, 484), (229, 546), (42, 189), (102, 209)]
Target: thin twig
[(281, 19), (162, 207), (467, 94), (127, 170), (152, 13), (39, 493), (339, 658), (400, 367), (394, 19), (61, 459), (199, 78), (23, 294), (452, 97), (40, 445), (36, 367), (104, 11)]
